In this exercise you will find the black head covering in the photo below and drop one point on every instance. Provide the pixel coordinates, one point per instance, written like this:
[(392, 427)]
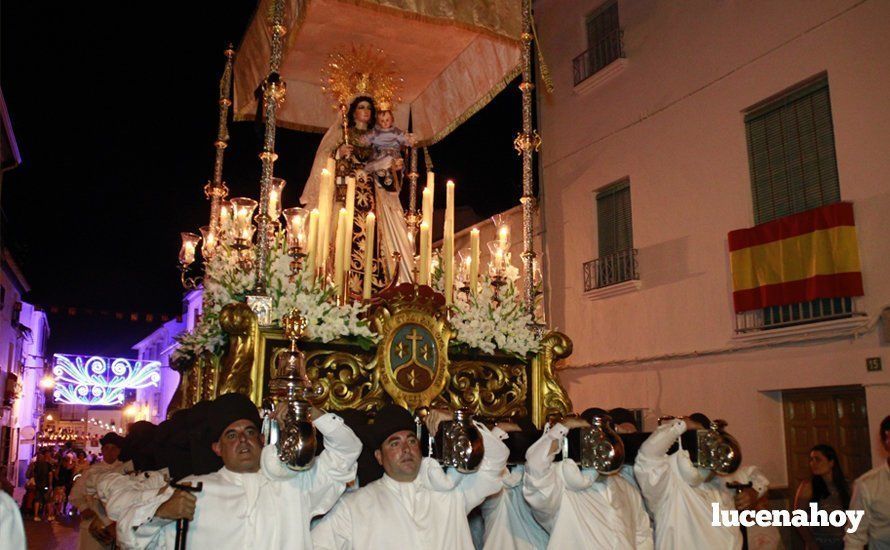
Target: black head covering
[(368, 468), (203, 459), (229, 408), (588, 414), (622, 416), (389, 420), (139, 446), (520, 441), (702, 419), (172, 445), (112, 438)]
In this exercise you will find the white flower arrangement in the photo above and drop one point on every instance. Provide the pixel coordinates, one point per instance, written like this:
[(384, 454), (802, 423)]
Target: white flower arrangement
[(226, 282), (488, 325)]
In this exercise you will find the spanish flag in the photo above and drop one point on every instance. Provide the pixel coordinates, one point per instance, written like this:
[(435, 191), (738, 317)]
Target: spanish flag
[(798, 258)]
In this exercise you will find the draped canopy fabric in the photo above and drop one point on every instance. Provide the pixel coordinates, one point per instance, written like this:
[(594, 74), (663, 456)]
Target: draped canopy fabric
[(797, 258), (454, 55)]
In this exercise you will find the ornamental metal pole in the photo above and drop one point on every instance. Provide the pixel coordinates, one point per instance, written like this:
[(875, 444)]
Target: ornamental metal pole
[(527, 143), (273, 96), (216, 189)]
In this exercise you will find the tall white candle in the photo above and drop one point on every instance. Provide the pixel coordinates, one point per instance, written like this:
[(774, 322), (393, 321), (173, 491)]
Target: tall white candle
[(339, 251), (311, 244), (370, 225), (424, 275), (325, 207), (448, 242)]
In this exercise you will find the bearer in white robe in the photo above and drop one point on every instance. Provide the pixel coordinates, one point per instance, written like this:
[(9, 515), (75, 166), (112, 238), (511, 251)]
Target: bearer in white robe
[(83, 494), (253, 501), (507, 519), (581, 508), (681, 495), (415, 505)]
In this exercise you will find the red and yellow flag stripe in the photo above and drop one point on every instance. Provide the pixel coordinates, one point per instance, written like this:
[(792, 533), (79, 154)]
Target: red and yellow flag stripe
[(798, 258)]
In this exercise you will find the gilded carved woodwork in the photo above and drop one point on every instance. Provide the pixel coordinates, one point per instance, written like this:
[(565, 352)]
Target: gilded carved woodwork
[(236, 367), (549, 397), (495, 386)]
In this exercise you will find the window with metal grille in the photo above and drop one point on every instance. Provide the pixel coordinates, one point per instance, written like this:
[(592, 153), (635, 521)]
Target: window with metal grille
[(603, 42), (791, 153), (614, 222), (793, 168), (617, 260)]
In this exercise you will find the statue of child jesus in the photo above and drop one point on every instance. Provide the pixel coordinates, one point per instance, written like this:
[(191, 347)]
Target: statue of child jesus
[(387, 142)]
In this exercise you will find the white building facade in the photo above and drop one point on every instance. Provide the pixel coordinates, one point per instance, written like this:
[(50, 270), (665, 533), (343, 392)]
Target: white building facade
[(647, 164), (152, 402)]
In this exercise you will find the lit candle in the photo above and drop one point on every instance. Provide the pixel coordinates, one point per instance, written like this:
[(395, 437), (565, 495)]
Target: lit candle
[(504, 237), (338, 251), (189, 244), (448, 242), (424, 275), (370, 223), (325, 204), (312, 244), (275, 191), (474, 259), (426, 205)]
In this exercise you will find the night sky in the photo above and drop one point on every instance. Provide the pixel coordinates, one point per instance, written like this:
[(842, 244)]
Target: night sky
[(114, 107)]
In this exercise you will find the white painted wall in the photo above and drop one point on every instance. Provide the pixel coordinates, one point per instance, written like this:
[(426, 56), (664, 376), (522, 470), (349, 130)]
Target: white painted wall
[(672, 121)]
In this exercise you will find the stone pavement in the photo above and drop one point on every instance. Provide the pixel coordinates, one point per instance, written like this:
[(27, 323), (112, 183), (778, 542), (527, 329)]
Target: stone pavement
[(45, 535)]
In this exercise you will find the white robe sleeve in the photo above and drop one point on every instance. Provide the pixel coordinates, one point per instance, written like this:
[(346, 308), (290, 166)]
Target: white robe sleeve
[(11, 528), (860, 501), (333, 469), (132, 503), (78, 496), (334, 530), (487, 479), (542, 487), (652, 467)]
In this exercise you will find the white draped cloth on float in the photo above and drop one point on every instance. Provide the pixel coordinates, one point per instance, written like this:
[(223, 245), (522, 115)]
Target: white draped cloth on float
[(429, 513), (509, 523), (679, 498), (268, 509), (83, 496), (580, 507)]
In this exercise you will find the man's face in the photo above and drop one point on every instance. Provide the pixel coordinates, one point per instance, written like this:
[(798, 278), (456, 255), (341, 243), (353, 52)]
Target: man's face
[(384, 119), (363, 112), (240, 446), (400, 456), (110, 452)]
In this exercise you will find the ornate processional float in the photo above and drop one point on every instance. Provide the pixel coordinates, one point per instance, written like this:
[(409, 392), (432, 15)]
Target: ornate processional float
[(382, 317)]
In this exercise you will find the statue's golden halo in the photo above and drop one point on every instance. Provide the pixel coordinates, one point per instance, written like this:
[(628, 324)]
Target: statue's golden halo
[(361, 70)]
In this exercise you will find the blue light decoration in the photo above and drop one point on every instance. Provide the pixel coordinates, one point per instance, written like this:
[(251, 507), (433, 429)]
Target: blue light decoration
[(100, 381)]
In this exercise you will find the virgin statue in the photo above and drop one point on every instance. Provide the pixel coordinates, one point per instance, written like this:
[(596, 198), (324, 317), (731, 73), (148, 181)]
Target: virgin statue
[(369, 151)]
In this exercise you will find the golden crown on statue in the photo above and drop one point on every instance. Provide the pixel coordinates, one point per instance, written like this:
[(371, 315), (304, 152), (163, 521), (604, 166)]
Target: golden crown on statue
[(361, 70)]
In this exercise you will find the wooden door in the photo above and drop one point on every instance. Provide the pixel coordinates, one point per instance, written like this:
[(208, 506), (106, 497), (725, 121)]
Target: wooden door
[(833, 416)]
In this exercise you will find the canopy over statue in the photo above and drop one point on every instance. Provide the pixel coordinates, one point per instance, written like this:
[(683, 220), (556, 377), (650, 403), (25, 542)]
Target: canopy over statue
[(456, 56)]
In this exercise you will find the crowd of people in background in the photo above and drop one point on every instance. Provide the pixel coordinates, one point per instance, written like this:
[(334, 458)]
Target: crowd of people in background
[(50, 477)]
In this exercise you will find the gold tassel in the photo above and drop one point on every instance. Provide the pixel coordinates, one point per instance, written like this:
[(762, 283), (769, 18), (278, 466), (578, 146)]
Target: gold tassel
[(545, 71)]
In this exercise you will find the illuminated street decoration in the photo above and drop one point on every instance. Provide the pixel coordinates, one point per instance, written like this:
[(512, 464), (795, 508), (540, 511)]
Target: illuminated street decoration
[(100, 381)]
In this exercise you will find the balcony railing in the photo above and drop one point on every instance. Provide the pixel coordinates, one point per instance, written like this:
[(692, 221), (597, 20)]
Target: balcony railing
[(609, 48), (826, 309), (611, 270)]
